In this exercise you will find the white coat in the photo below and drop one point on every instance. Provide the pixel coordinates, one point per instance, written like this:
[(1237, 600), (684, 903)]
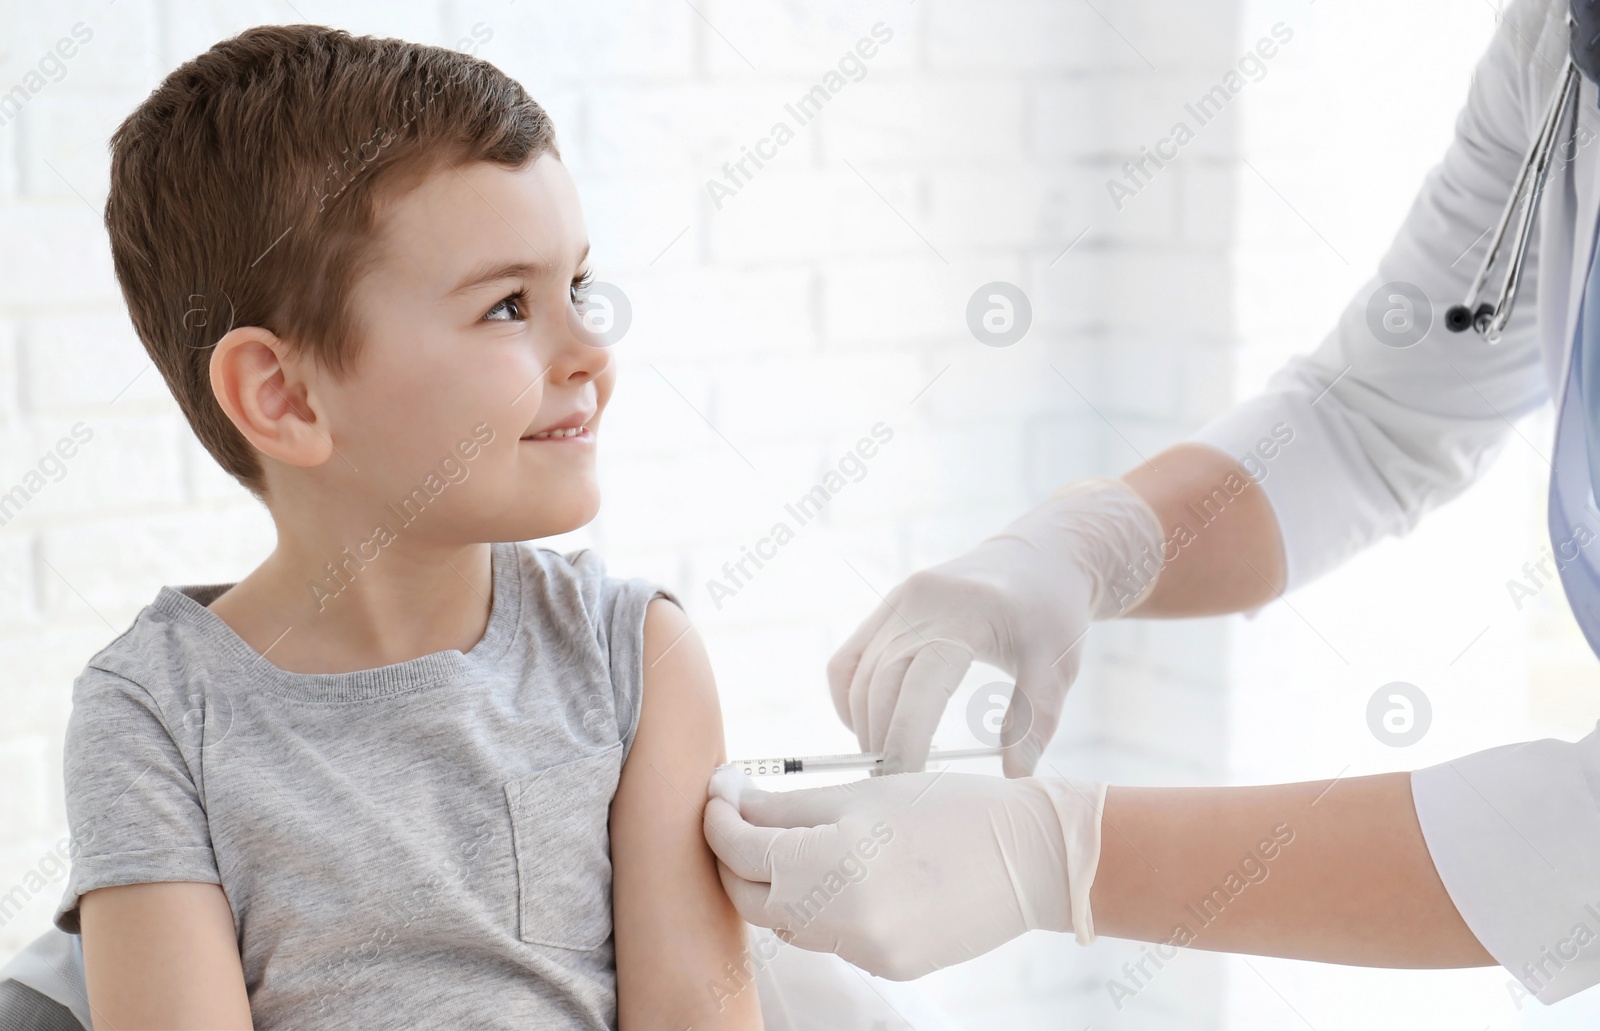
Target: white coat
[(1514, 831)]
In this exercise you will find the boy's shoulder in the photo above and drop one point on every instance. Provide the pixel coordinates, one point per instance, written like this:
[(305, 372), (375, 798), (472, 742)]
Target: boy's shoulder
[(157, 665), (157, 656), (555, 577), (551, 577), (583, 564)]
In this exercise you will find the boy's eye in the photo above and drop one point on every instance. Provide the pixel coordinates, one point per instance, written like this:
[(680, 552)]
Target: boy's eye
[(509, 308), (513, 307), (581, 284)]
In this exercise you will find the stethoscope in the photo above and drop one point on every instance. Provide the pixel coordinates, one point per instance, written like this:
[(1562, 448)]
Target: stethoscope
[(1583, 58)]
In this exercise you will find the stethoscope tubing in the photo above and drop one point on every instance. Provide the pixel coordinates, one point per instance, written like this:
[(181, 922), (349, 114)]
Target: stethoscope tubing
[(1490, 319)]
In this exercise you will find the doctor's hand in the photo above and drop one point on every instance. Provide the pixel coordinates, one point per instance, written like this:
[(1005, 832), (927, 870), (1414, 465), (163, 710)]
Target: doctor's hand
[(1021, 600), (902, 875)]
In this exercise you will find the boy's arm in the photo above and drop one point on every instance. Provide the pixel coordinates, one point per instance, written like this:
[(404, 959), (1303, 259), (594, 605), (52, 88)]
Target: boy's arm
[(162, 955), (675, 928)]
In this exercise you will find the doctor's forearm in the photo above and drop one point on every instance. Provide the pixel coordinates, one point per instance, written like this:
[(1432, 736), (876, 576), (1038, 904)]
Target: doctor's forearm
[(1336, 874), (1232, 562)]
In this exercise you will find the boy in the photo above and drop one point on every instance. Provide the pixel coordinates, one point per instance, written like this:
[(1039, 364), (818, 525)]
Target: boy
[(404, 772)]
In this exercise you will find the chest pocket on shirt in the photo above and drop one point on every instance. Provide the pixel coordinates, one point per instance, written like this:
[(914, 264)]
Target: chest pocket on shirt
[(563, 847)]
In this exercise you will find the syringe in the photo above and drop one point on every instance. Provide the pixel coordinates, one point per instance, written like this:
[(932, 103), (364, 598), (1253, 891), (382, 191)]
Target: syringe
[(856, 761)]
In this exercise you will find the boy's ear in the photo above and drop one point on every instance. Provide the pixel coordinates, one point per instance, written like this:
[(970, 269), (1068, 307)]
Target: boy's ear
[(260, 388)]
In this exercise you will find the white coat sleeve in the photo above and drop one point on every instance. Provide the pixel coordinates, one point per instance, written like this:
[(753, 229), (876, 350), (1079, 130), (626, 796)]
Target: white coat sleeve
[(1514, 832), (1360, 438)]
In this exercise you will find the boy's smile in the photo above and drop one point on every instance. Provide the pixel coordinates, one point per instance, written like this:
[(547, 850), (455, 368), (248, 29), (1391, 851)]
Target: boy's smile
[(573, 428)]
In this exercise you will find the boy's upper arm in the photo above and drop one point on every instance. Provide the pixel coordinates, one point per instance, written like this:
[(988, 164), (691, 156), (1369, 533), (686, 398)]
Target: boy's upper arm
[(675, 928), (159, 941), (133, 805), (162, 955)]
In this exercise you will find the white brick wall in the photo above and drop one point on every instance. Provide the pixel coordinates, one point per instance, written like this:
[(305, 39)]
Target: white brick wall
[(827, 295)]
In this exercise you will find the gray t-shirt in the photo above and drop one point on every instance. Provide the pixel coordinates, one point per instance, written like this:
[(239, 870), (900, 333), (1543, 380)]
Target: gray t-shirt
[(423, 843)]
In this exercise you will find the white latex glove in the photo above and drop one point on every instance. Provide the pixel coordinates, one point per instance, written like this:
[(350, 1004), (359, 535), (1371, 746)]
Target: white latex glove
[(1021, 600), (904, 874)]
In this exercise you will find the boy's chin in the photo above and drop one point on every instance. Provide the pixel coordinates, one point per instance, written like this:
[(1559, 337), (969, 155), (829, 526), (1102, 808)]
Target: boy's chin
[(548, 520)]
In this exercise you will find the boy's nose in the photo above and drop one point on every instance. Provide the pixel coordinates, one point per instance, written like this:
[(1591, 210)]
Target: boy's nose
[(586, 346)]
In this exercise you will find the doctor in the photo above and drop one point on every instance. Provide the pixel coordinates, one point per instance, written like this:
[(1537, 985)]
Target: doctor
[(1491, 858)]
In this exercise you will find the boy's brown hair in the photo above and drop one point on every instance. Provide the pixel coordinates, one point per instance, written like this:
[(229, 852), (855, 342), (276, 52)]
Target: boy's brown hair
[(244, 191)]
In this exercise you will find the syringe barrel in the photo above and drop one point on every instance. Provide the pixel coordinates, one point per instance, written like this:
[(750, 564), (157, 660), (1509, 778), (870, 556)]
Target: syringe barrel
[(763, 767)]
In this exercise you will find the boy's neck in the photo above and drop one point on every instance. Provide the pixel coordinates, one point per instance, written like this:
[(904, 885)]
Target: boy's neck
[(378, 605)]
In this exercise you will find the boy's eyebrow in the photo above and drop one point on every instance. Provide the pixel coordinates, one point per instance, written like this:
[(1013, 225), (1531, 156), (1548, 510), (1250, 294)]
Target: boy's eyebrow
[(493, 271)]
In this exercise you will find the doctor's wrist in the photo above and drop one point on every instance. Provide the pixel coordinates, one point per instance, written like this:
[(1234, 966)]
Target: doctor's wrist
[(1056, 883), (1118, 541), (1078, 806)]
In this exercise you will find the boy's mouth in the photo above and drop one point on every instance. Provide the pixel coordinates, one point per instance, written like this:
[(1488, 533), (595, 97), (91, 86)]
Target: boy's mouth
[(565, 434), (573, 427)]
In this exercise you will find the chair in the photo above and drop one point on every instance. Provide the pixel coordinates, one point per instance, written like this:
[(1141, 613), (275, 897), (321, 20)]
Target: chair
[(42, 988), (23, 1009)]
